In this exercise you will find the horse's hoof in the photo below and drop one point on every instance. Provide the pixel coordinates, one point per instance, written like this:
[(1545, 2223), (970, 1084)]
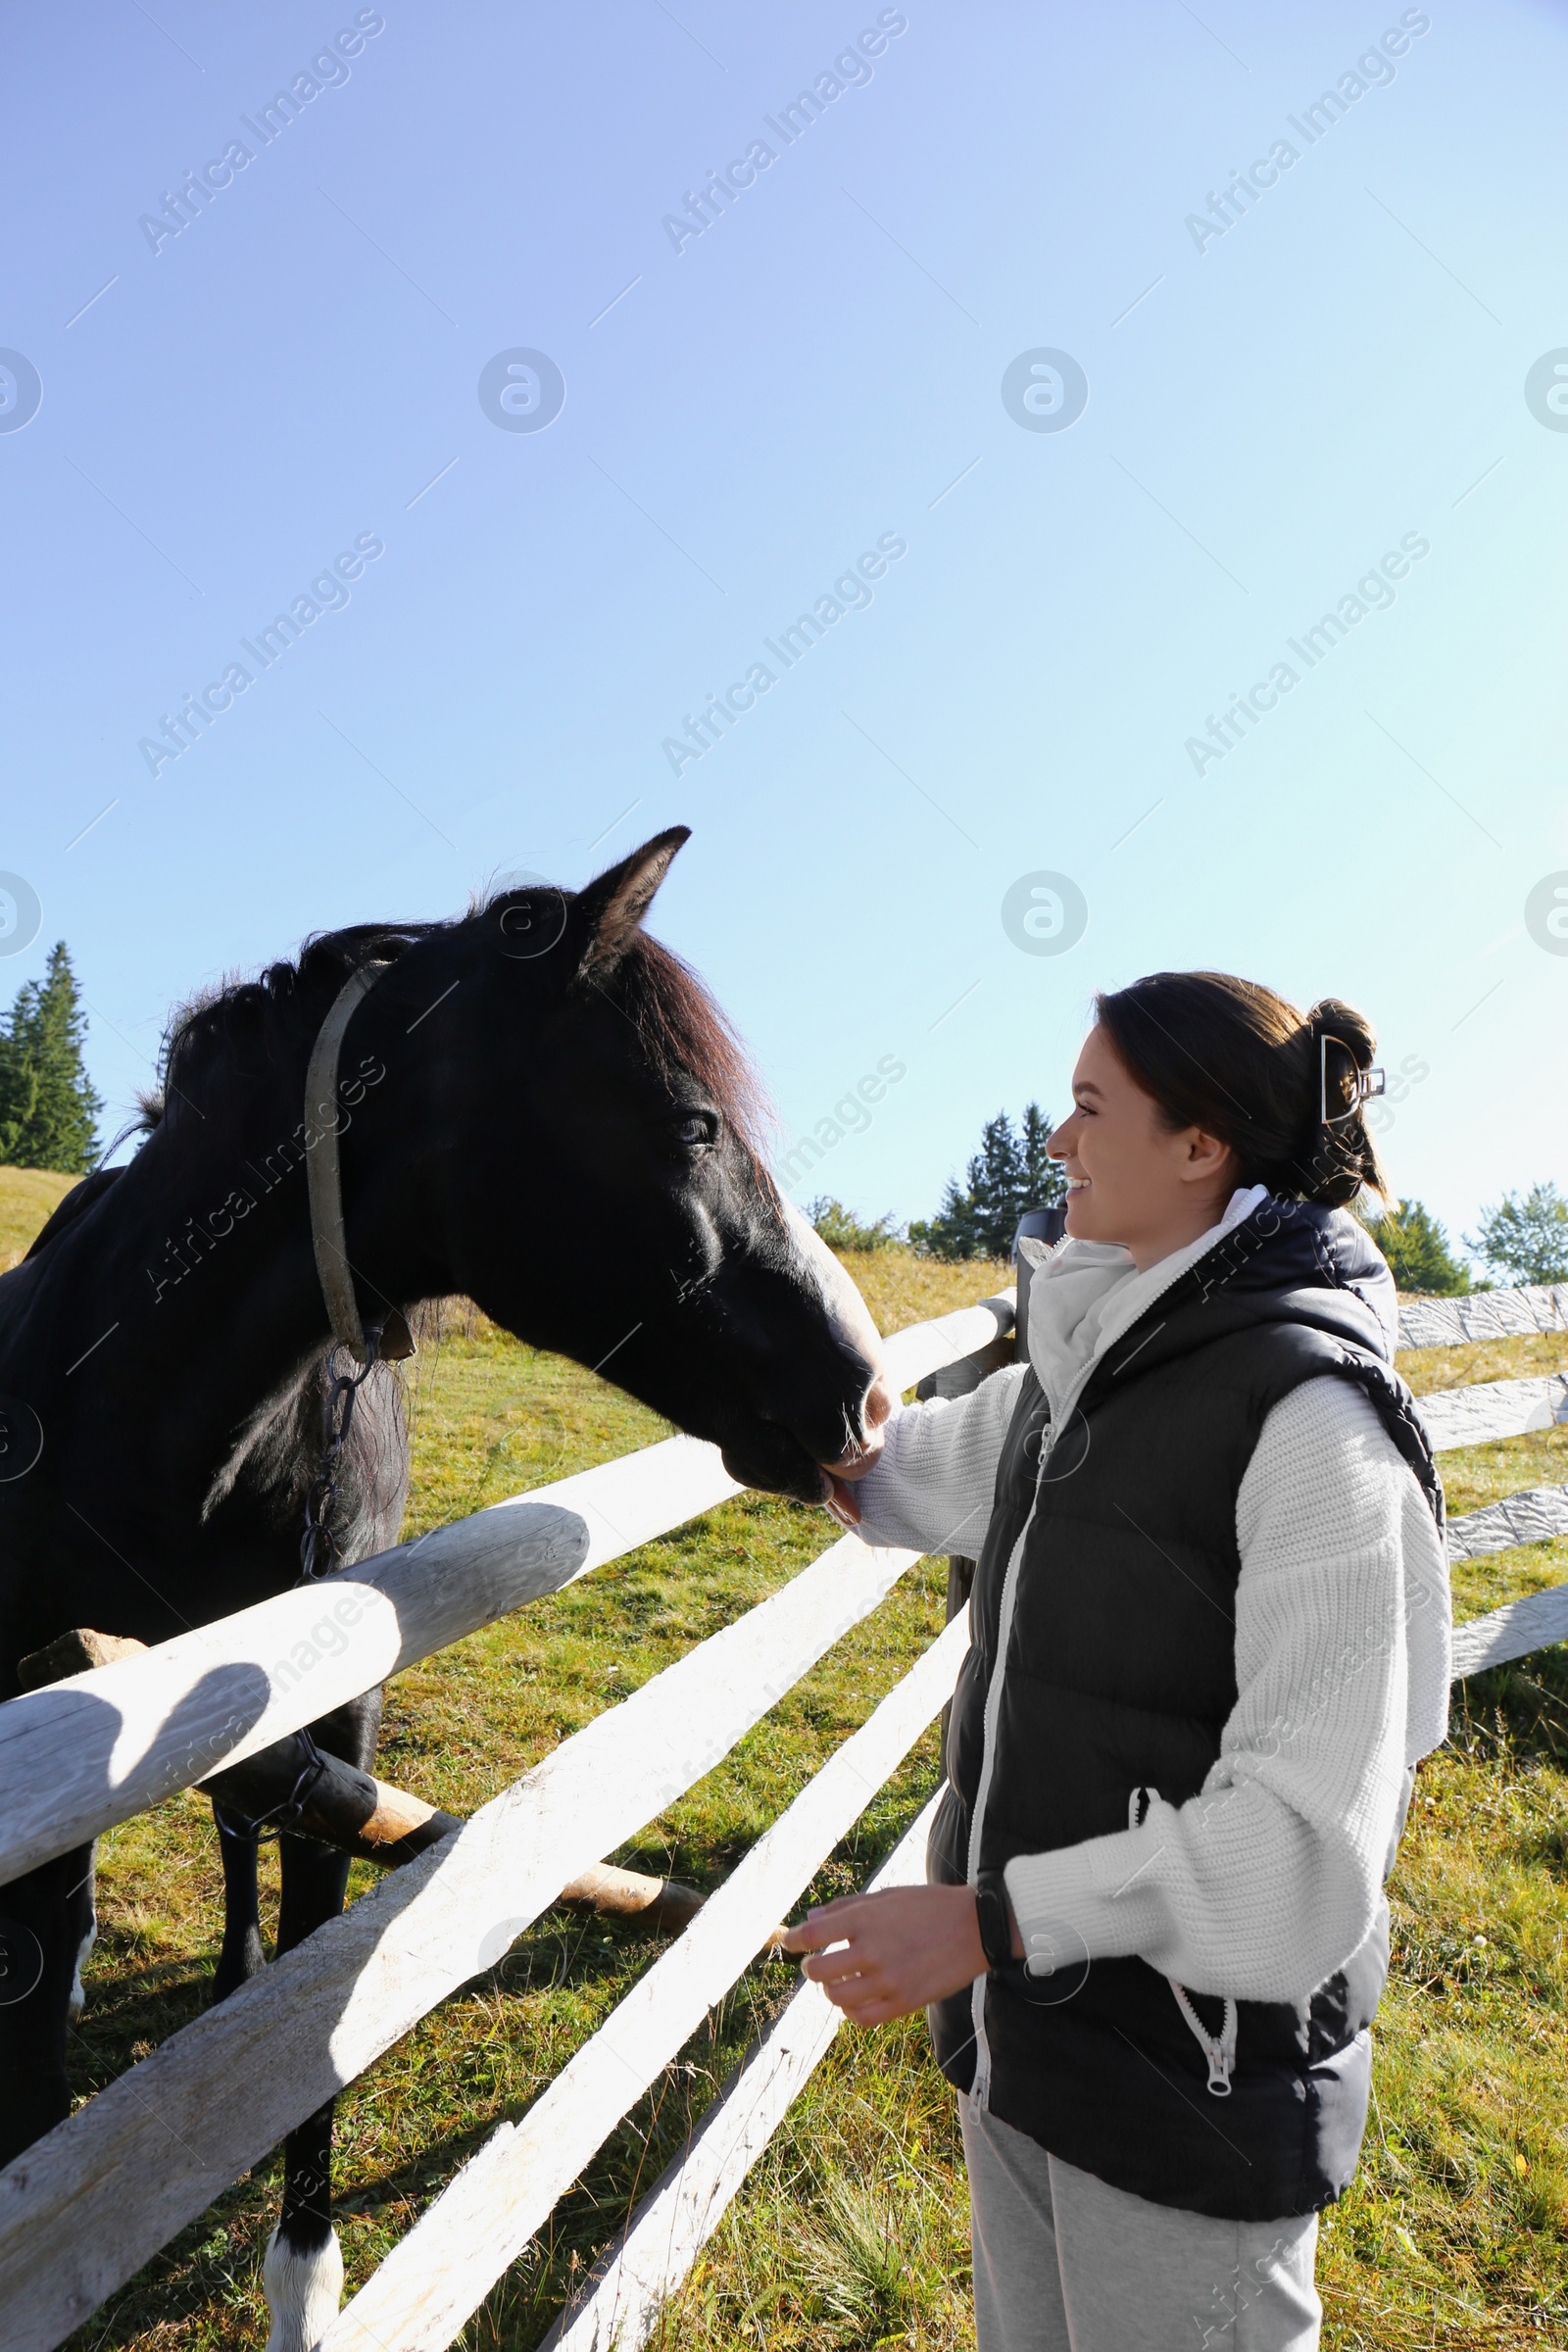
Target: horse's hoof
[(304, 2287)]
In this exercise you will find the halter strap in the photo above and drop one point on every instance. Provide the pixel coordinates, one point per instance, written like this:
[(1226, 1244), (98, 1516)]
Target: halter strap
[(324, 1179)]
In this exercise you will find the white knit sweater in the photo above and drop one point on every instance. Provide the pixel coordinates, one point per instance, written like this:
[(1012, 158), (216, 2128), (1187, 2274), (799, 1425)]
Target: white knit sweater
[(1265, 1883)]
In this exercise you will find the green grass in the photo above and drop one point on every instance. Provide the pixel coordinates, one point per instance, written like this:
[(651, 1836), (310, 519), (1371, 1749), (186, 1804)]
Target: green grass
[(852, 2230)]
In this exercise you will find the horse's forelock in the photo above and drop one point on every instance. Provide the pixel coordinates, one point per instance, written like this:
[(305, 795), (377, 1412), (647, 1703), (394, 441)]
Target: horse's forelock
[(682, 1027)]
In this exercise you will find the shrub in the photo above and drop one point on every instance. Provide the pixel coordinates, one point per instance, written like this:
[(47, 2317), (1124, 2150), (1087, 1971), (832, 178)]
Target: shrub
[(841, 1229)]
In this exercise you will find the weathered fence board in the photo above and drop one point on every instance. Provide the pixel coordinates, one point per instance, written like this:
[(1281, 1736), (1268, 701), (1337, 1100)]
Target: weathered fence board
[(1481, 1315), (928, 1347), (1532, 1516), (223, 2090), (1495, 1408), (1511, 1632), (85, 1753), (619, 2301), (436, 2275)]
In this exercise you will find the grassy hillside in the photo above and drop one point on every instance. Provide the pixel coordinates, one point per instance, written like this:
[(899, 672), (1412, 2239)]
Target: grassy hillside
[(27, 1197), (851, 2233)]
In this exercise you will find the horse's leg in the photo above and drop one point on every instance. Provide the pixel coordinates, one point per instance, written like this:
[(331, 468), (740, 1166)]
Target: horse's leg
[(303, 2273), (43, 1921), (242, 1954)]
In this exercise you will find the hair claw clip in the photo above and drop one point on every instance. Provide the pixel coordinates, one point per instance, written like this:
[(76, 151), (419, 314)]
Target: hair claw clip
[(1367, 1084)]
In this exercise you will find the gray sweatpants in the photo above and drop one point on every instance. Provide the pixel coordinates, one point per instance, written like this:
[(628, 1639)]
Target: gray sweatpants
[(1064, 2263)]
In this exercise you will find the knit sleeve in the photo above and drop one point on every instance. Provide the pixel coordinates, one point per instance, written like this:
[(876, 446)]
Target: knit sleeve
[(932, 1484), (1267, 1880)]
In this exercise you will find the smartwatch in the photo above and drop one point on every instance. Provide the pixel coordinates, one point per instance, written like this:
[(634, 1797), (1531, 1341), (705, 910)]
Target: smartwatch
[(995, 1918)]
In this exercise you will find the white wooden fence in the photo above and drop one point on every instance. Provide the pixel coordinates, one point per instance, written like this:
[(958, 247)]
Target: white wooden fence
[(183, 2124)]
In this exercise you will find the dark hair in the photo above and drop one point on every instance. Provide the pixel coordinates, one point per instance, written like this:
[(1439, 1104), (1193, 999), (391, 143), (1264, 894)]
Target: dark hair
[(1235, 1059)]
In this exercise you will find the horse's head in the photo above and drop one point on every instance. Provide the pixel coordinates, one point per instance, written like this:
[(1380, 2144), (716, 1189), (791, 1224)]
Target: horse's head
[(599, 1185)]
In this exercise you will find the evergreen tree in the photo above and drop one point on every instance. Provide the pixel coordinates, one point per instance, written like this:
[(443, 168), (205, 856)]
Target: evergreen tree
[(49, 1109), (1043, 1182), (1008, 1174), (1417, 1249), (1526, 1240)]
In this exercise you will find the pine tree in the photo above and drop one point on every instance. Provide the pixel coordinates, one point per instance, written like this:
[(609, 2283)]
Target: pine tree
[(1043, 1182), (1417, 1250), (1008, 1174), (49, 1107)]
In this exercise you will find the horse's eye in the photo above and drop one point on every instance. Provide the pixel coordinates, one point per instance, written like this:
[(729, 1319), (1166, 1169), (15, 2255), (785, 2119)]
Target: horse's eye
[(694, 1130)]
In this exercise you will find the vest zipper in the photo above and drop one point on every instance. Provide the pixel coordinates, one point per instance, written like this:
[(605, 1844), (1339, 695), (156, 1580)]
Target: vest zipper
[(1221, 2051), (980, 2088)]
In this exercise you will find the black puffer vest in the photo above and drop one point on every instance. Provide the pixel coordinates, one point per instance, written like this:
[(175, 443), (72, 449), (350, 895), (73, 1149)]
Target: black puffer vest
[(1119, 1676)]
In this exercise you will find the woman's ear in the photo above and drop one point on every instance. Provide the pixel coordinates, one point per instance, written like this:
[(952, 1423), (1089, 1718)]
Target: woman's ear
[(1207, 1160)]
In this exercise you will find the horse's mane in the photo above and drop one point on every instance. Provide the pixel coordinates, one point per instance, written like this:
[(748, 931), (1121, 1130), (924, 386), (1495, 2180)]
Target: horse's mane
[(264, 1021)]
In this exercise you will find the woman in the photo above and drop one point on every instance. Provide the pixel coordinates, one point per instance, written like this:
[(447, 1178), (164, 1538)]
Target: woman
[(1209, 1643)]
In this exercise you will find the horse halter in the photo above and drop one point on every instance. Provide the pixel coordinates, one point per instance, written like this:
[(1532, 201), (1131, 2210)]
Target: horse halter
[(370, 1344), (390, 1340)]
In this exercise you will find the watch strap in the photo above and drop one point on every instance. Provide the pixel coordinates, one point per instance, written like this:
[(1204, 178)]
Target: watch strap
[(995, 1918)]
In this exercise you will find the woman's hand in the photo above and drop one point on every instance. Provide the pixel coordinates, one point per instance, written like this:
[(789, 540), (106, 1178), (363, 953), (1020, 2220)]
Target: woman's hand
[(896, 1951), (837, 1493)]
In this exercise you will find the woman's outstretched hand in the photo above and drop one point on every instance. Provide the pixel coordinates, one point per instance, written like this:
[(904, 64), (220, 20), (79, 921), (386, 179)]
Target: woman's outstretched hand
[(840, 1496), (893, 1951)]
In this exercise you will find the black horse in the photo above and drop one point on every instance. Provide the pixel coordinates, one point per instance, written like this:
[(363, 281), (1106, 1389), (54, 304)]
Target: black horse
[(537, 1105)]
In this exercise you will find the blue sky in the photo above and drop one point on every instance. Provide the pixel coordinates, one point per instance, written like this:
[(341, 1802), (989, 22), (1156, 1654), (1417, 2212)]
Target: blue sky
[(1275, 404)]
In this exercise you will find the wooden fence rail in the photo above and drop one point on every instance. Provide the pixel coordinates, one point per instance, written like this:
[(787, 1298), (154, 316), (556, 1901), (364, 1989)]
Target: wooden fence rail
[(1483, 1315), (187, 2120)]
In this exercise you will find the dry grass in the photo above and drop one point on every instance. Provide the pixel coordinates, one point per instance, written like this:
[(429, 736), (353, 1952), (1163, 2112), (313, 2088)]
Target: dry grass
[(27, 1197), (1528, 1355)]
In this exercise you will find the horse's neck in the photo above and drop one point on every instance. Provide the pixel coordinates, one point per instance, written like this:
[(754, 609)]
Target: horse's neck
[(179, 1317)]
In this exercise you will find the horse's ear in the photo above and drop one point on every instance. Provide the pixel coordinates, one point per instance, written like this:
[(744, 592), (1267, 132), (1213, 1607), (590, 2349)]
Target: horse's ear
[(609, 910)]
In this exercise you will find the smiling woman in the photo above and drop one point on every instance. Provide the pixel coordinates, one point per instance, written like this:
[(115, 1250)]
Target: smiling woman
[(1209, 1645)]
